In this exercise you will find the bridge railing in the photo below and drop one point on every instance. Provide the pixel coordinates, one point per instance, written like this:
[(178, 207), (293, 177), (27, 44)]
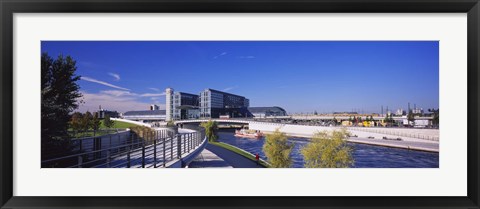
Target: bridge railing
[(142, 152)]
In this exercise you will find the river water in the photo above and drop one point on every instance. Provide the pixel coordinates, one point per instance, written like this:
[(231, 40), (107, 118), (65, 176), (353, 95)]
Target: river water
[(365, 156)]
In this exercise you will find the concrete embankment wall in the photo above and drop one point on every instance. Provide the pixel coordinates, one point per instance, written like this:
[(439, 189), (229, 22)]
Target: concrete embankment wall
[(308, 131), (361, 136), (292, 130)]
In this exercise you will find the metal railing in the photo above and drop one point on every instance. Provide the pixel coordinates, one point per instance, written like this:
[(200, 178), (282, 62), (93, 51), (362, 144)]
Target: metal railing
[(153, 150)]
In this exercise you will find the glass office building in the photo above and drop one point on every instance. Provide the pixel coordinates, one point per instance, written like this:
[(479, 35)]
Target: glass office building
[(209, 103), (185, 106), (214, 104), (180, 105)]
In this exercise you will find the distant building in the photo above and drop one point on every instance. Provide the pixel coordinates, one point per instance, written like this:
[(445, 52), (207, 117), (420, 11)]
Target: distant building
[(185, 106), (214, 103), (145, 115), (400, 112), (209, 103), (154, 107), (169, 104), (417, 111), (102, 113), (261, 112), (345, 113)]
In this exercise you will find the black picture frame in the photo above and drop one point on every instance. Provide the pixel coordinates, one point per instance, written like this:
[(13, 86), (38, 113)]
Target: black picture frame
[(10, 7)]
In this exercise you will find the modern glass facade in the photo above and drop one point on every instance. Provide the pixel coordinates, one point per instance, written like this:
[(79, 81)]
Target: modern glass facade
[(211, 103), (214, 103), (185, 106)]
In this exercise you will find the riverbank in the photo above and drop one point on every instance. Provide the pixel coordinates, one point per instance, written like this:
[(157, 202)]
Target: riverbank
[(234, 156)]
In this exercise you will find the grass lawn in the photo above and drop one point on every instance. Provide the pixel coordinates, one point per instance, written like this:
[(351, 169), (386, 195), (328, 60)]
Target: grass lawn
[(118, 124), (240, 152), (102, 131)]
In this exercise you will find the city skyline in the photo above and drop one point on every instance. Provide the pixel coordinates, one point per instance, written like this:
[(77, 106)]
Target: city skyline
[(300, 76)]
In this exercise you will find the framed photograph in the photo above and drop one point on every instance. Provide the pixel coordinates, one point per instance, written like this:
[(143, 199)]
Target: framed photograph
[(260, 104)]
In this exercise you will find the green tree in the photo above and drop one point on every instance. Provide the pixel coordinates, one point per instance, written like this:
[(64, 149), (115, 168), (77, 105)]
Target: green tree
[(211, 128), (76, 122), (95, 123), (170, 123), (59, 95), (411, 117), (87, 121), (107, 122), (436, 116), (328, 150), (278, 150)]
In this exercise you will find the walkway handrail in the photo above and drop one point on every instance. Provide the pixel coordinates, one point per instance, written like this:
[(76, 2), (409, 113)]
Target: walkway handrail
[(166, 146)]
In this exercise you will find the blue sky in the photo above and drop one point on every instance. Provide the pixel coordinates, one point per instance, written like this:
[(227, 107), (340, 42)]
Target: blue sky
[(300, 76)]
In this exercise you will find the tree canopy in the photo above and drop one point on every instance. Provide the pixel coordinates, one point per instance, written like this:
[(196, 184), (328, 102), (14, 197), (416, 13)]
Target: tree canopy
[(211, 128), (107, 122), (328, 150), (278, 150), (59, 95)]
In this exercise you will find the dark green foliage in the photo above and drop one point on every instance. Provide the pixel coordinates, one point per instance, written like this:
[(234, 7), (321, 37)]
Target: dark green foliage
[(107, 122), (87, 121), (59, 94), (95, 122), (76, 121)]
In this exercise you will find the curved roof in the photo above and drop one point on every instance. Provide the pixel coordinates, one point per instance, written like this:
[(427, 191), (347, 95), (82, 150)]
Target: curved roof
[(266, 109), (146, 112)]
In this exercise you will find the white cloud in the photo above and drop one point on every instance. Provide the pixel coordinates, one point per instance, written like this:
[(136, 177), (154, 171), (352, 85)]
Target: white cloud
[(246, 57), (102, 83), (154, 89), (114, 75), (118, 93), (230, 88), (152, 94), (110, 102), (221, 54)]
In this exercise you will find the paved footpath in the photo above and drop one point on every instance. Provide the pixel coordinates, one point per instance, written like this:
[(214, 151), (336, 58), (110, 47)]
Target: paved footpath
[(207, 159), (232, 158)]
